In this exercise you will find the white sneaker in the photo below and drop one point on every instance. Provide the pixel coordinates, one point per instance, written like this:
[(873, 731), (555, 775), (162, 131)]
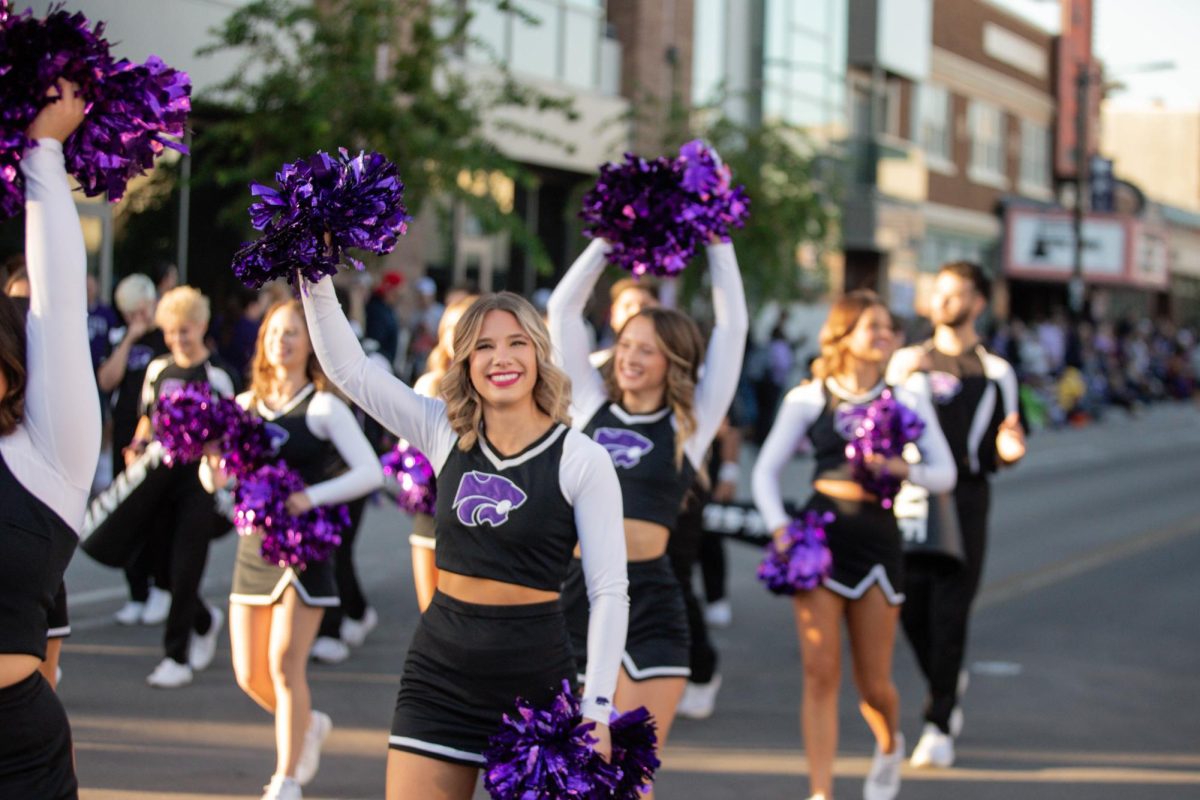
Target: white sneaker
[(130, 613), (170, 674), (719, 614), (699, 699), (883, 781), (956, 722), (328, 650), (202, 647), (319, 726), (282, 787), (158, 605), (354, 632), (934, 748)]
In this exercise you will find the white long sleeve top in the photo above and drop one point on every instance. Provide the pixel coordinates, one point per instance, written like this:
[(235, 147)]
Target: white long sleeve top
[(722, 362), (801, 407), (53, 452)]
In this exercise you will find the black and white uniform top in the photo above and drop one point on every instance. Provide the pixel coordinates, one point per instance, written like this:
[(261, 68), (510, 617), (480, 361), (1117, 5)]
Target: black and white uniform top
[(514, 519), (47, 462), (318, 436), (973, 392), (164, 376), (642, 446), (864, 537)]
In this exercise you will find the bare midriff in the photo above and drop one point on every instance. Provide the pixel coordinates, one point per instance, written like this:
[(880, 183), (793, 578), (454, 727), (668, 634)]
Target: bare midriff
[(844, 490), (487, 592), (16, 667)]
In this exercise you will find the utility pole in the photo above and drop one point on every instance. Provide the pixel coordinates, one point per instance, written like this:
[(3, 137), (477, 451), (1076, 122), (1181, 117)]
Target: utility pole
[(1077, 287)]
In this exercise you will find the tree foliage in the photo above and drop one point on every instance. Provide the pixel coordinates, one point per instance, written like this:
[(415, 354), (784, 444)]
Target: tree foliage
[(366, 74)]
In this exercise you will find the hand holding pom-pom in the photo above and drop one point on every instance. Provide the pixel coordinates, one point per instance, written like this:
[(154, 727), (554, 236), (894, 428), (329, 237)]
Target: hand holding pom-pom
[(798, 558), (289, 539), (880, 432), (415, 482), (324, 206), (188, 419)]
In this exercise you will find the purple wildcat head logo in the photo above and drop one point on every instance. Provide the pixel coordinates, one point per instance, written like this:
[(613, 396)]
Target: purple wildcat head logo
[(945, 387), (278, 435), (485, 498), (140, 357), (626, 448)]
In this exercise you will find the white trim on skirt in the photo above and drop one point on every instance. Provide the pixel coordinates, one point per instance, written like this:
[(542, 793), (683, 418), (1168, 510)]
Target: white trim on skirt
[(877, 575), (289, 577), (439, 749)]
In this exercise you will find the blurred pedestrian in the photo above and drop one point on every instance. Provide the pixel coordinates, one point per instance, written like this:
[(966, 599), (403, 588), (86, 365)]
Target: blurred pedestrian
[(975, 397)]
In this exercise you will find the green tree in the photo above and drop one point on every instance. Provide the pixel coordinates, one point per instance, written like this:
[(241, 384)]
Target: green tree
[(365, 74)]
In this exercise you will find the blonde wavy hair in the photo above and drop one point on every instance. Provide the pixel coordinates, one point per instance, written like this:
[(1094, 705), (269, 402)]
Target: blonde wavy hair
[(680, 341), (551, 391), (262, 374), (182, 303), (843, 316), (437, 363)]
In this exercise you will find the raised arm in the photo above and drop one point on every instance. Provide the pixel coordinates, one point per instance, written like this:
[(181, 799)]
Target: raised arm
[(564, 316), (385, 397), (332, 420), (62, 424), (726, 347), (800, 408), (936, 470), (589, 482)]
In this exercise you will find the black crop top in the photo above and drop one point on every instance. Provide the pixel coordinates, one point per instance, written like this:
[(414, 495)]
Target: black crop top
[(506, 522), (642, 448)]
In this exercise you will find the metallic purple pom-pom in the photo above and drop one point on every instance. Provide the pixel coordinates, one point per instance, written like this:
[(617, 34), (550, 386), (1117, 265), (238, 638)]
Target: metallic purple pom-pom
[(189, 418), (138, 107), (634, 757), (658, 213), (288, 541), (247, 444), (541, 754), (416, 484), (131, 107), (804, 561), (357, 201), (883, 427)]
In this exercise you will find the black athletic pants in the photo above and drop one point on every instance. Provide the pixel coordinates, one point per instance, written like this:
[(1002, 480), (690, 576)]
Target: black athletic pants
[(683, 549), (712, 566), (938, 602), (354, 602), (188, 510)]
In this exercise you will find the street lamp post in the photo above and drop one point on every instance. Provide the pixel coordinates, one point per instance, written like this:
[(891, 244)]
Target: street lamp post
[(1076, 287)]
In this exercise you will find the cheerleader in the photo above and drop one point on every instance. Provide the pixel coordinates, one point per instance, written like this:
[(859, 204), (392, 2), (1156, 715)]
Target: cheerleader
[(185, 510), (656, 417), (422, 540), (275, 611), (517, 489), (975, 395), (49, 446), (864, 589)]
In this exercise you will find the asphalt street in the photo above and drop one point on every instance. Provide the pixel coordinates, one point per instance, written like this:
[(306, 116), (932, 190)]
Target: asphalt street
[(1084, 658)]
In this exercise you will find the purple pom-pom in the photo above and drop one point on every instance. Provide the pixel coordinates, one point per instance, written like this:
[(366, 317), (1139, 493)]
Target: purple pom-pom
[(657, 214), (289, 541), (189, 418), (413, 474), (541, 754), (357, 201), (804, 560), (131, 108), (634, 757), (138, 107), (247, 444), (881, 428)]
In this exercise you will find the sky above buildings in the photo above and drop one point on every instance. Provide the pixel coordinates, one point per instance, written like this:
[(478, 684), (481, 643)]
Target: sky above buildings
[(1131, 33)]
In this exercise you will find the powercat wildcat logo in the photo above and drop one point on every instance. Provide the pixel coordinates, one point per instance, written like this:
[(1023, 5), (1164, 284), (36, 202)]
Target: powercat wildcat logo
[(483, 498), (624, 447), (944, 386)]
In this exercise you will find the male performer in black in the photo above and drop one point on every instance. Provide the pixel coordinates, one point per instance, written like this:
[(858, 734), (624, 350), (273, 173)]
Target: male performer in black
[(975, 394)]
